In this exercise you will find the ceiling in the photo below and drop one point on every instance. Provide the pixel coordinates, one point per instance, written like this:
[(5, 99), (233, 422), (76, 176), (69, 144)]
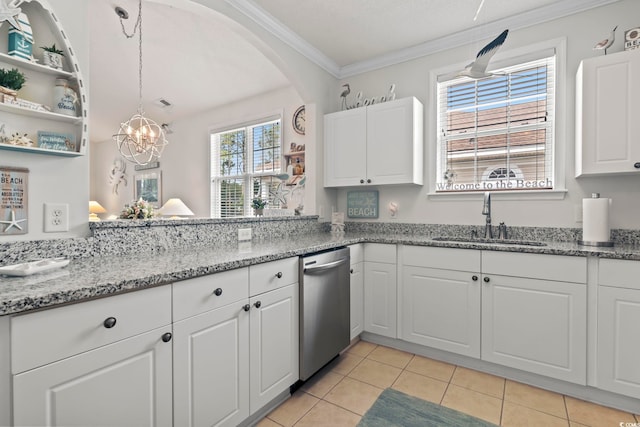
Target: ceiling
[(196, 61)]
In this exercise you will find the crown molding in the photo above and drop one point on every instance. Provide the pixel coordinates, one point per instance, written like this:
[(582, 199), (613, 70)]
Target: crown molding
[(540, 15), (284, 33)]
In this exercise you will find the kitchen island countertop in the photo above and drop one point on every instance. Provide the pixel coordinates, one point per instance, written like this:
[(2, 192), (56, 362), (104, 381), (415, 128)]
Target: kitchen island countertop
[(88, 278)]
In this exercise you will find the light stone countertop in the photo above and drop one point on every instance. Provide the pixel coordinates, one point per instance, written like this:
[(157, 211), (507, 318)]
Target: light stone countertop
[(109, 275)]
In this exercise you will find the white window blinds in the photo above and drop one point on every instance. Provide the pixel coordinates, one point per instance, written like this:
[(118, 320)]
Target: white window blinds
[(497, 133), (243, 164)]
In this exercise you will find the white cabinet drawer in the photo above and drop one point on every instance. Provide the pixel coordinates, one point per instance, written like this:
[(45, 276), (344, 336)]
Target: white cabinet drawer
[(380, 252), (272, 275), (619, 273), (195, 296), (49, 335), (442, 258), (537, 266)]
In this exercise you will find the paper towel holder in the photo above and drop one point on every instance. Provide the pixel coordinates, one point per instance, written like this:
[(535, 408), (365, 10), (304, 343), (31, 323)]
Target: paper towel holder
[(600, 244)]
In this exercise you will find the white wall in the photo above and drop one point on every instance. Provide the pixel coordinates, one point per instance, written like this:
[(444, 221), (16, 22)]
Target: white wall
[(581, 31), (52, 178), (185, 161)]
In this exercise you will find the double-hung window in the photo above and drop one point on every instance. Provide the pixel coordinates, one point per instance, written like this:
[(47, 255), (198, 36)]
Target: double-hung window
[(497, 133), (244, 162)]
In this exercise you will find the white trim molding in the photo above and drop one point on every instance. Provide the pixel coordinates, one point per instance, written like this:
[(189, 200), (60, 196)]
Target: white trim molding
[(550, 12)]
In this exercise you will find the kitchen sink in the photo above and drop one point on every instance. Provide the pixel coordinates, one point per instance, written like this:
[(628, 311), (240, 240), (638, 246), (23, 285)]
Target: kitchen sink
[(481, 240)]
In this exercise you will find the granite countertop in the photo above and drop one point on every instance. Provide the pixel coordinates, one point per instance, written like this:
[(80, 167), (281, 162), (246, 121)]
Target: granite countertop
[(108, 275)]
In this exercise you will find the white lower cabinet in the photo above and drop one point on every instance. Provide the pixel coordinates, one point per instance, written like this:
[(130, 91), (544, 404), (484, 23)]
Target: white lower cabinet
[(618, 319), (273, 344), (101, 363), (357, 289), (535, 321), (525, 311), (126, 383), (211, 375), (233, 359), (440, 306), (380, 289)]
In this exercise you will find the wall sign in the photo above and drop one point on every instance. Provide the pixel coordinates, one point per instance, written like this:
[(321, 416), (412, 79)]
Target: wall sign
[(13, 200), (362, 204)]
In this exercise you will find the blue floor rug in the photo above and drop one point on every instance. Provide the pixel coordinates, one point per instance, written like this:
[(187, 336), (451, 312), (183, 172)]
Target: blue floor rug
[(394, 408)]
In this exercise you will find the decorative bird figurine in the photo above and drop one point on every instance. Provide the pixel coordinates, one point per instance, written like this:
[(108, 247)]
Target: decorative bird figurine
[(478, 68), (344, 94), (606, 43)]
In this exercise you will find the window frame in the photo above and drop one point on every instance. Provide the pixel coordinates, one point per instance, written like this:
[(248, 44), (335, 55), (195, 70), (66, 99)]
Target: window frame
[(502, 60), (247, 175)]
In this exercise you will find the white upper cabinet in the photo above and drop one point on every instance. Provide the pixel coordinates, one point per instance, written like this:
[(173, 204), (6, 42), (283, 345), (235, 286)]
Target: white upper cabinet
[(607, 110), (376, 145)]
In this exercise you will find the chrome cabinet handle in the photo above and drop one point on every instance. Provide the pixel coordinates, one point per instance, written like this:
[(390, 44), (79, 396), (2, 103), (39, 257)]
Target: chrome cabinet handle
[(279, 274), (246, 307), (218, 292), (109, 322), (166, 337), (474, 278), (257, 304), (486, 280)]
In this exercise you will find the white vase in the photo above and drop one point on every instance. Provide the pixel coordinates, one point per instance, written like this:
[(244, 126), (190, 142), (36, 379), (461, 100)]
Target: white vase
[(52, 59)]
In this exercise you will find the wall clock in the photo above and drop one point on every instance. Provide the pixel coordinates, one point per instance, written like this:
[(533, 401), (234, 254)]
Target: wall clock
[(299, 120)]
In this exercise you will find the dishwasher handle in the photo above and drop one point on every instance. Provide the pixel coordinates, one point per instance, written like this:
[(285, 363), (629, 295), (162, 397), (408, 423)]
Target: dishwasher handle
[(327, 266)]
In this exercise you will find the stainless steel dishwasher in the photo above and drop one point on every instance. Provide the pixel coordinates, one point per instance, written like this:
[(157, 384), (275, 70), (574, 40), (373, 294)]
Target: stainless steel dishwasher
[(324, 309)]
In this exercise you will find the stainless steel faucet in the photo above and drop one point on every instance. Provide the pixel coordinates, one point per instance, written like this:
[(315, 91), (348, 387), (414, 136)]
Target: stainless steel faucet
[(486, 210)]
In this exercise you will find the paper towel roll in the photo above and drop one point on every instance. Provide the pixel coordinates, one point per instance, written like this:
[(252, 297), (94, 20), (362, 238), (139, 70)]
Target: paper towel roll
[(595, 220)]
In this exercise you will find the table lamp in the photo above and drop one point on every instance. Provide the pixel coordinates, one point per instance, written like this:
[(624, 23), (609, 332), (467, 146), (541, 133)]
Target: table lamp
[(94, 209), (175, 208)]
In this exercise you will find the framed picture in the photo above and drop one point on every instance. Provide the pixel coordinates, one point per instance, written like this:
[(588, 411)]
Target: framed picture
[(148, 186)]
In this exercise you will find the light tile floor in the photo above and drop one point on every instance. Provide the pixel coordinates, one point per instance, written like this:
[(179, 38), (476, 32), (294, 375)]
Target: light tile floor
[(344, 390)]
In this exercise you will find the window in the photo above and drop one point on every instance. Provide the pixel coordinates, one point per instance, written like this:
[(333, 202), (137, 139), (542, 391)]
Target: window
[(244, 162), (497, 133)]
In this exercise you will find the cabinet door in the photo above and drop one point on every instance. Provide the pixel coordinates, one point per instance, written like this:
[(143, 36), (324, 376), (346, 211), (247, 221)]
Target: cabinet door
[(535, 325), (211, 368), (380, 298), (441, 309), (395, 142), (273, 344), (607, 125), (619, 340), (345, 148), (357, 299), (125, 383)]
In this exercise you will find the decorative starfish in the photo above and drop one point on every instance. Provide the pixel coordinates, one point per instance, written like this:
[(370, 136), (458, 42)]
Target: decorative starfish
[(279, 193), (13, 222), (9, 12)]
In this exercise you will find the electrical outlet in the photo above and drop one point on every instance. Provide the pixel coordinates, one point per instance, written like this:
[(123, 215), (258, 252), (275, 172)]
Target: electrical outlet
[(244, 234), (56, 217)]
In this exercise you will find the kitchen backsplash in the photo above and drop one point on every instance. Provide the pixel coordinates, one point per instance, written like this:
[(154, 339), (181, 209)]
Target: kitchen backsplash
[(148, 236)]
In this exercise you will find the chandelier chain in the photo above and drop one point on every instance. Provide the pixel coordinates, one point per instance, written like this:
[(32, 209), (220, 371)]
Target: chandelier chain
[(137, 28)]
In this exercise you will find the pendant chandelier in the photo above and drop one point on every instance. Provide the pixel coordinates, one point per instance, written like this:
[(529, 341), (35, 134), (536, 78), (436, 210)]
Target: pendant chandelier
[(140, 139)]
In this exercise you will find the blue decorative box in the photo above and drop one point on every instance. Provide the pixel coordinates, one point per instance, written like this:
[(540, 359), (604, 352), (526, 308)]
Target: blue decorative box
[(21, 42)]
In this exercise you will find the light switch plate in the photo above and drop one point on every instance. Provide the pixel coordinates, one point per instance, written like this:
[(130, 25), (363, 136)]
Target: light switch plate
[(56, 217)]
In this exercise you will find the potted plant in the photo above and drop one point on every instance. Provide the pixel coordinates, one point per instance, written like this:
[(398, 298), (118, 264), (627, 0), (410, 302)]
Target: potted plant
[(11, 81), (258, 205), (52, 56)]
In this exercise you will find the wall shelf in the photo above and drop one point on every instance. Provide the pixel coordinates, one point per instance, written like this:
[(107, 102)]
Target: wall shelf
[(34, 66), (47, 115)]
